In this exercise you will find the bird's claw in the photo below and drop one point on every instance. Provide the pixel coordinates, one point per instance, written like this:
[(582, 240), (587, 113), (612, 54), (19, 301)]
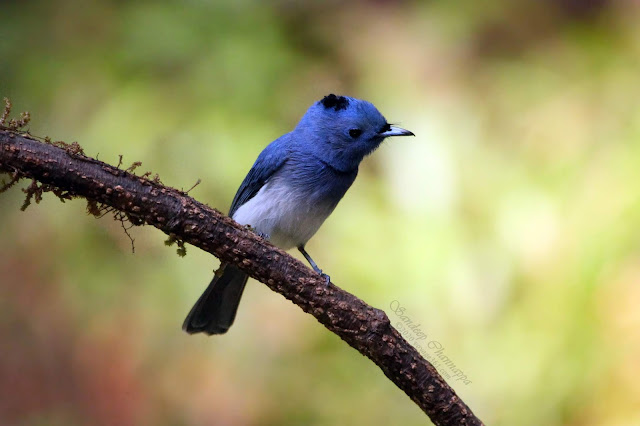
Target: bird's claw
[(254, 230), (327, 279)]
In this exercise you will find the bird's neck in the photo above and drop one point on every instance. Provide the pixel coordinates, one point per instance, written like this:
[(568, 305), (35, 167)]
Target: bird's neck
[(338, 168), (340, 161)]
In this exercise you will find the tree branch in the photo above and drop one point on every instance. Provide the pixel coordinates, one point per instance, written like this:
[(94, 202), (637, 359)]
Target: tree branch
[(66, 171)]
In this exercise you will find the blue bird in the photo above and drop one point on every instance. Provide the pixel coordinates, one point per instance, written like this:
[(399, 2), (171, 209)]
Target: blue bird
[(293, 186)]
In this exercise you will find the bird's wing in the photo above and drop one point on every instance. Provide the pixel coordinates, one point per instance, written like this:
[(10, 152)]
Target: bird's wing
[(270, 160)]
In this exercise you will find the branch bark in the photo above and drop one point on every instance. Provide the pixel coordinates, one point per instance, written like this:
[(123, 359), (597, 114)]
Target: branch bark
[(67, 172)]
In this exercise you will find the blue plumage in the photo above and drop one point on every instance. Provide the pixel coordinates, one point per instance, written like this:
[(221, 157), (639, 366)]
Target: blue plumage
[(293, 186), (267, 163)]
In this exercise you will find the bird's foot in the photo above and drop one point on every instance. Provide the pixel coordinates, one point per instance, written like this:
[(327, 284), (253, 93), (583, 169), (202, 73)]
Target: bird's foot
[(260, 234), (314, 266), (327, 278)]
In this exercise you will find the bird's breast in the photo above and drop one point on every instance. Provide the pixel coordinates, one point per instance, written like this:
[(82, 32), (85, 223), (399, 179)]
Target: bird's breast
[(294, 203)]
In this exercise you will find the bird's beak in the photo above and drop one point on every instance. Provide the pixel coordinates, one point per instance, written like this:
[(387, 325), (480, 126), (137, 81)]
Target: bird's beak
[(396, 131)]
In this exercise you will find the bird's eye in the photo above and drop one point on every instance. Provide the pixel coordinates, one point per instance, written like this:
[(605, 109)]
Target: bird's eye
[(354, 133)]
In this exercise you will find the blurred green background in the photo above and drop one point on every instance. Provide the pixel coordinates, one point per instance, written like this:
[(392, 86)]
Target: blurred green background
[(509, 228)]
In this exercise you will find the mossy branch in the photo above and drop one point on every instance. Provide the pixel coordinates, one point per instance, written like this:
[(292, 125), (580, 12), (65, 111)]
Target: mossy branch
[(64, 170)]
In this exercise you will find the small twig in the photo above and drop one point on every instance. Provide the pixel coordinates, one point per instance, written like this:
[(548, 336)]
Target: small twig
[(191, 189), (15, 177), (5, 112), (32, 190), (122, 218), (134, 166)]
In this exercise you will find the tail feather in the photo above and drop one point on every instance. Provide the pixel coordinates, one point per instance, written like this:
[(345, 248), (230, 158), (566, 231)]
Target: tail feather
[(215, 310)]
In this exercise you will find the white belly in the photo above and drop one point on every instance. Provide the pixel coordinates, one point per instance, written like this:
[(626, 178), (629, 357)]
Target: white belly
[(287, 216)]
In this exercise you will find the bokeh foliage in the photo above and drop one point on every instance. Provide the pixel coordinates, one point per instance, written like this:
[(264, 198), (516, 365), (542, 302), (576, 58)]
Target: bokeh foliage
[(508, 228)]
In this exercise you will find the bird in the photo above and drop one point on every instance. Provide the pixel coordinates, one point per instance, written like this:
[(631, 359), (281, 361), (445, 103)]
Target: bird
[(293, 186)]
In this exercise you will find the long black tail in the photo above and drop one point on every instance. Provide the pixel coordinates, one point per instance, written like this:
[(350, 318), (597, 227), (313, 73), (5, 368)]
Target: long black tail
[(215, 310)]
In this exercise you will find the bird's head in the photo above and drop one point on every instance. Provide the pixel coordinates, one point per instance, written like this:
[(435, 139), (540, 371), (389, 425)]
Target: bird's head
[(343, 130)]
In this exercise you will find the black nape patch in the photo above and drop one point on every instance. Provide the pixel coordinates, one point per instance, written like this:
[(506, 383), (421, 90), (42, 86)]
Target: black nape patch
[(335, 102)]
